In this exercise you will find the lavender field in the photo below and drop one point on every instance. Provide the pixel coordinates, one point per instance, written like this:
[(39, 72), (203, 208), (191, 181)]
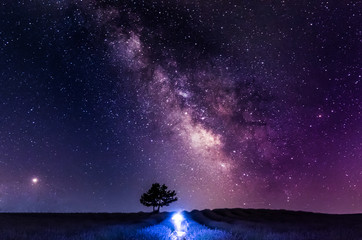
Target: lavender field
[(228, 224)]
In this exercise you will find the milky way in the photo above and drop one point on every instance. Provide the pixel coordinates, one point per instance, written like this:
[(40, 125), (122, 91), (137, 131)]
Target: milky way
[(231, 103)]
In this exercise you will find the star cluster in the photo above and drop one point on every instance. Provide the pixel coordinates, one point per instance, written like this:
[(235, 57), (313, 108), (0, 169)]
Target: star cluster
[(232, 103)]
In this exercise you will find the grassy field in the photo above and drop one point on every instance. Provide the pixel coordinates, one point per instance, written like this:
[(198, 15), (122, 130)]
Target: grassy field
[(228, 224)]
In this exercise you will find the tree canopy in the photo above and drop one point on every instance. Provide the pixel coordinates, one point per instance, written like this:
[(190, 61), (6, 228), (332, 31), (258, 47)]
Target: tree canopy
[(158, 196)]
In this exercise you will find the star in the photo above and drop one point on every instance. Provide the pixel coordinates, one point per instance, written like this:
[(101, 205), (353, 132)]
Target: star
[(35, 180), (108, 92)]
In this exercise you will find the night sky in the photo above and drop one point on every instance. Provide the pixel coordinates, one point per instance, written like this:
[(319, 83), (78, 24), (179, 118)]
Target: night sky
[(253, 104)]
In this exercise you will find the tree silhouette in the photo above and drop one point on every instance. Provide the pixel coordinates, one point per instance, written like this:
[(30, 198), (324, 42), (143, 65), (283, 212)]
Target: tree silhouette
[(158, 196)]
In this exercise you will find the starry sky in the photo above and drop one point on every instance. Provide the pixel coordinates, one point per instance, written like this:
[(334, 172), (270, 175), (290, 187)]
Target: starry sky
[(253, 104)]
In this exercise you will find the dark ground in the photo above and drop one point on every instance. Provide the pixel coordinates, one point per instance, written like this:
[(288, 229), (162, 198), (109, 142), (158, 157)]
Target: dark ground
[(206, 224)]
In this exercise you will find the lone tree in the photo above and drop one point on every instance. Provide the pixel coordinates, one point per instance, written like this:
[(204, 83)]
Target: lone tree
[(158, 196)]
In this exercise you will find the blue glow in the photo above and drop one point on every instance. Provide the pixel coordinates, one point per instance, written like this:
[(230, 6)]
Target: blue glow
[(180, 224)]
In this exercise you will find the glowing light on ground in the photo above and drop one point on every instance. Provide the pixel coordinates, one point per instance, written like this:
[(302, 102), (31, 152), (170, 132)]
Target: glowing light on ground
[(180, 224)]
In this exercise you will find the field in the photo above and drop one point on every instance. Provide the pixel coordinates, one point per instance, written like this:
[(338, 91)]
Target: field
[(228, 224)]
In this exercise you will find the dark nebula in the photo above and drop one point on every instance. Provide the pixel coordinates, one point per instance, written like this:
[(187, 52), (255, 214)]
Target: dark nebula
[(252, 104)]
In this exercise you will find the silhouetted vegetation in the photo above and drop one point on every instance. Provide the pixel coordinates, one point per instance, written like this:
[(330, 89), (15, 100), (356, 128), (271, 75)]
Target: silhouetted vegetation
[(158, 196)]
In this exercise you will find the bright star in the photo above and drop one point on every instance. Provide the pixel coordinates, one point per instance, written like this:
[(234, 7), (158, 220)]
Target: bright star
[(35, 180)]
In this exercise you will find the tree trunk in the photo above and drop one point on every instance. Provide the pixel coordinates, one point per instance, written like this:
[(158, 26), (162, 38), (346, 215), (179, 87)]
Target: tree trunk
[(156, 209)]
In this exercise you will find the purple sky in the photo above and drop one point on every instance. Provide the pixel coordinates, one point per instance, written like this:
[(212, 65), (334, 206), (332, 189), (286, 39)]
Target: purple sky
[(252, 104)]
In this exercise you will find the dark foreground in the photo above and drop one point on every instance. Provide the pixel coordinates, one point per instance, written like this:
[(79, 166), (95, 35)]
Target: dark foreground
[(226, 224)]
